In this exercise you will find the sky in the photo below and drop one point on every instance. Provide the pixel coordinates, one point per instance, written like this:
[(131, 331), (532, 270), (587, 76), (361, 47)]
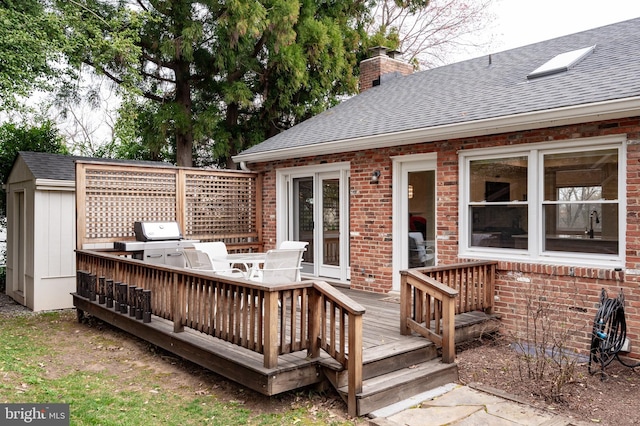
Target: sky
[(521, 22)]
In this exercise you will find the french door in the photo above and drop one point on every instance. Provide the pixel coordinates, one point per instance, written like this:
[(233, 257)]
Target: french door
[(317, 212)]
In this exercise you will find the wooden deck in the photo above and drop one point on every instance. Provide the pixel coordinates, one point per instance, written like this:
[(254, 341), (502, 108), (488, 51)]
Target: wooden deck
[(374, 349), (385, 351)]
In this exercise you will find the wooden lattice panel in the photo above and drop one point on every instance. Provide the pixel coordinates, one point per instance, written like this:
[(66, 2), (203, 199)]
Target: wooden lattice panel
[(208, 205), (220, 205), (115, 198)]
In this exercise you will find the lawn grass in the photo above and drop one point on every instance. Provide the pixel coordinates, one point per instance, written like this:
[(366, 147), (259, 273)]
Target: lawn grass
[(29, 351)]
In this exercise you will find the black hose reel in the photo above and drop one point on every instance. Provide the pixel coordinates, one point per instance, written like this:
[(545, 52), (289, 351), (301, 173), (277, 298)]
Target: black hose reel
[(609, 332)]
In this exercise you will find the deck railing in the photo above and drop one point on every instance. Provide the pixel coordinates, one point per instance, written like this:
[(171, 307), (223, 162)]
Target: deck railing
[(431, 297), (337, 329), (271, 319)]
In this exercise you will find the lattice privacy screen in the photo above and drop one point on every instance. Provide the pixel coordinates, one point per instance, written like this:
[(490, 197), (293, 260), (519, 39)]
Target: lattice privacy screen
[(208, 205), (222, 204)]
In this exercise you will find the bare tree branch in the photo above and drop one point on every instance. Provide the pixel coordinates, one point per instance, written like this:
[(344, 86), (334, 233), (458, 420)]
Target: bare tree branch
[(430, 35)]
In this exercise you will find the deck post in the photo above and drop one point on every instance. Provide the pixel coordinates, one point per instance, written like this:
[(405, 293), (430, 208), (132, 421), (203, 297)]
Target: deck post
[(448, 330), (490, 287), (405, 304), (177, 305), (354, 368), (315, 315), (271, 329)]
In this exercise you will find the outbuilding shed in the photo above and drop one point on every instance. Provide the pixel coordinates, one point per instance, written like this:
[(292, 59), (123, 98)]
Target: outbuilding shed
[(41, 229)]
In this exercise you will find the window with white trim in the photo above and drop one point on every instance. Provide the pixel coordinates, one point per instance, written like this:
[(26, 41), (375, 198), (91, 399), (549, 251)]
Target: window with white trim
[(557, 201)]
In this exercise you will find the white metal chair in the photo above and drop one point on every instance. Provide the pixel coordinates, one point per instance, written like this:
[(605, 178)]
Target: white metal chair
[(287, 245), (197, 259), (280, 265), (294, 245), (215, 250)]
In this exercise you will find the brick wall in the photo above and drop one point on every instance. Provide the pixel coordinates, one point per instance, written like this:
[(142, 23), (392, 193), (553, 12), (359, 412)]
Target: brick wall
[(572, 292)]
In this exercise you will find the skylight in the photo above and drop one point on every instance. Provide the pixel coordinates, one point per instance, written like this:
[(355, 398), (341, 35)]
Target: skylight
[(561, 62)]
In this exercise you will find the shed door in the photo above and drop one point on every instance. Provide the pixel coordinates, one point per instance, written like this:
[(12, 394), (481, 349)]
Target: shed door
[(19, 241)]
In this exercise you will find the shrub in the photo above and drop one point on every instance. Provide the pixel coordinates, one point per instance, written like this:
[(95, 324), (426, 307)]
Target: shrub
[(544, 342)]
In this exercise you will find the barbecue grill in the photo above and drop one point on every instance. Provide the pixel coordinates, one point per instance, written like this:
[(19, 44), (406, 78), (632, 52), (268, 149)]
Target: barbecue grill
[(157, 242)]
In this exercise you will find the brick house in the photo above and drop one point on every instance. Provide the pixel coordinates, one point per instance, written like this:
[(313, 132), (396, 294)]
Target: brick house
[(529, 156)]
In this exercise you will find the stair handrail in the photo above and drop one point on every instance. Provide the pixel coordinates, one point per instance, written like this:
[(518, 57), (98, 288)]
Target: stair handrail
[(341, 341), (474, 281), (430, 298), (432, 302)]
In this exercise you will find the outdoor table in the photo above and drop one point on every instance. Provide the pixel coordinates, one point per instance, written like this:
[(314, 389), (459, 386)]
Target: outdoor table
[(250, 260)]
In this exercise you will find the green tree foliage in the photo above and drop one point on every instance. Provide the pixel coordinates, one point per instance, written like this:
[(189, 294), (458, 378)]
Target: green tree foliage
[(222, 76), (31, 41), (15, 138)]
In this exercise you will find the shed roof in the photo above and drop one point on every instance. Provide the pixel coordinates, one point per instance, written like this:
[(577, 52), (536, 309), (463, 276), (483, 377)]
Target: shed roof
[(477, 95), (44, 165)]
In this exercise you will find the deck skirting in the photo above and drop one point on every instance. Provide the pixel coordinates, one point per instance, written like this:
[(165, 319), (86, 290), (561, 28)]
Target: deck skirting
[(226, 359)]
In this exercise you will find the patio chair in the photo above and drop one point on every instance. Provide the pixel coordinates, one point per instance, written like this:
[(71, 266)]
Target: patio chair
[(280, 265), (197, 259), (419, 254), (295, 245), (215, 250)]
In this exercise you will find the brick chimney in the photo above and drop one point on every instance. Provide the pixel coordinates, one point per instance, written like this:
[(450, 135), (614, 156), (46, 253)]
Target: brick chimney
[(381, 65)]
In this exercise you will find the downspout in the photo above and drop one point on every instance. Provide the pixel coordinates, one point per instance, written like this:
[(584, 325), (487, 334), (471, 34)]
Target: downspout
[(243, 166)]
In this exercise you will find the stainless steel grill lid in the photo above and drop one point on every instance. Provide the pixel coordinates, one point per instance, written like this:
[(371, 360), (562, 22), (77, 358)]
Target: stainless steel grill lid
[(157, 231)]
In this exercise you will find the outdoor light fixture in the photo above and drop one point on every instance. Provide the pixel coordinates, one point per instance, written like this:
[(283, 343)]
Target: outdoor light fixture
[(375, 176), (410, 190)]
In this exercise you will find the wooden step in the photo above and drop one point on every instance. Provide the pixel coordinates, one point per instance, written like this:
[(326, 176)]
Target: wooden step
[(389, 388), (384, 359)]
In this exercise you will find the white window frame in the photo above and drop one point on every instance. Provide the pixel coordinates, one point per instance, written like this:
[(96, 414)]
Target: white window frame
[(535, 191)]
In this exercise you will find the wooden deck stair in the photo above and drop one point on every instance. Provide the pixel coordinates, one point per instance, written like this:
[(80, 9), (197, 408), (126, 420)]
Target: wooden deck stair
[(407, 366), (398, 376)]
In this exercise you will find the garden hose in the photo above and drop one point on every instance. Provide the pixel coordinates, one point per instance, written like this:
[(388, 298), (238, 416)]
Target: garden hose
[(609, 332)]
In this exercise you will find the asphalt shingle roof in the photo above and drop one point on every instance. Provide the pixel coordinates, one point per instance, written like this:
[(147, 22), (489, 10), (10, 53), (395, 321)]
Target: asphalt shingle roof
[(44, 165), (480, 89)]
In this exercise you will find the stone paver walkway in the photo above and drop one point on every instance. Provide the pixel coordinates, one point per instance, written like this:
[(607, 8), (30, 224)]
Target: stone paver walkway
[(465, 406)]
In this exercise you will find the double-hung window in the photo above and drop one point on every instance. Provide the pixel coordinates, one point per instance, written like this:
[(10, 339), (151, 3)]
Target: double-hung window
[(550, 202)]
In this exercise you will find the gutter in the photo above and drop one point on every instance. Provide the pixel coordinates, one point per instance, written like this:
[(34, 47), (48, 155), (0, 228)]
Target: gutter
[(599, 111)]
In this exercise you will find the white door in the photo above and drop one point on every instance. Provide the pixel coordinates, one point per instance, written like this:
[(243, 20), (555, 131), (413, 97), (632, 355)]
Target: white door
[(414, 213), (20, 243), (328, 229), (317, 212)]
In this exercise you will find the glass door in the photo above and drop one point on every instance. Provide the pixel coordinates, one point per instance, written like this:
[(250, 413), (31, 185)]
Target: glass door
[(302, 218), (421, 218), (317, 216), (414, 213), (330, 226)]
